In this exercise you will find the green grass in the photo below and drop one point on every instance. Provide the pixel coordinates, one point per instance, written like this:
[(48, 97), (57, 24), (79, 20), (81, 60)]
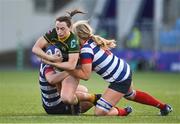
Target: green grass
[(20, 100)]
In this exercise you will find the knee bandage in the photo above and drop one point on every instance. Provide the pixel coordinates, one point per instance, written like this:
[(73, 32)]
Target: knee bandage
[(104, 105)]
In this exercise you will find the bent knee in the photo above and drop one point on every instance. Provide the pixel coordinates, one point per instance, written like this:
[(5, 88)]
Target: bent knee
[(67, 100), (82, 88)]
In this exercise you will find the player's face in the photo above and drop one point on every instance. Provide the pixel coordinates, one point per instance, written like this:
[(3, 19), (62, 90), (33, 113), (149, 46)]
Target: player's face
[(62, 29)]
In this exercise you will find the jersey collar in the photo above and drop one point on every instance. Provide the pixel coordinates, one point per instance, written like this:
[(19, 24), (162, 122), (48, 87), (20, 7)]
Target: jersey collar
[(64, 39)]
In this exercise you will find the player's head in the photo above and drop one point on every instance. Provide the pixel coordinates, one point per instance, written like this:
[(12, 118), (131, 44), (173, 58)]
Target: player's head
[(53, 50), (82, 29), (63, 24)]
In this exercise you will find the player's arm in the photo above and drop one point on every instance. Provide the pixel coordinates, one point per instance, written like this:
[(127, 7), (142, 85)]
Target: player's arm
[(73, 55), (38, 50), (69, 65), (55, 77), (84, 72), (38, 46)]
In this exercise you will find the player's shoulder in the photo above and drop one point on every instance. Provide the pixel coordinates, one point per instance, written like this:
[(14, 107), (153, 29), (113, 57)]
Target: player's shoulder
[(51, 35), (72, 43), (72, 38), (87, 45), (72, 35), (86, 48), (52, 32)]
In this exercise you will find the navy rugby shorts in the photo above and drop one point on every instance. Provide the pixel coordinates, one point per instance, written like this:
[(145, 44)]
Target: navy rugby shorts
[(123, 86)]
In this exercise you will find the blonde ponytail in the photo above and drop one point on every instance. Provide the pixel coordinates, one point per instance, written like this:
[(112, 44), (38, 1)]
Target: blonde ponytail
[(103, 43), (83, 30)]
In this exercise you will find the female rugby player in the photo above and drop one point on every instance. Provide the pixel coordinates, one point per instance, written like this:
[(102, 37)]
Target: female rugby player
[(62, 37), (95, 55)]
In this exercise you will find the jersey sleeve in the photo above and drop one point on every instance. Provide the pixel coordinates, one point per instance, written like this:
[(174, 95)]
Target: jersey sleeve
[(50, 35), (86, 55)]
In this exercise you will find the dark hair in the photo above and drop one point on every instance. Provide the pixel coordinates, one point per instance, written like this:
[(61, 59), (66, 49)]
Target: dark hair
[(68, 18)]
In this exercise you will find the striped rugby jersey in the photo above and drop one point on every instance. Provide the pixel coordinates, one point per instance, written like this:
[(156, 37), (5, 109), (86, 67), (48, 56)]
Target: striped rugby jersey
[(104, 63), (49, 94)]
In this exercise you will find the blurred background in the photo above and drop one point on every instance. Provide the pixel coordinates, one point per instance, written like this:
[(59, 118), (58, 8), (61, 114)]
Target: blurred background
[(147, 31)]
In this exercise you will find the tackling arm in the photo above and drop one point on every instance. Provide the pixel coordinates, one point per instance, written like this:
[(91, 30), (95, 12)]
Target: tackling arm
[(56, 77), (37, 49), (84, 72), (69, 65)]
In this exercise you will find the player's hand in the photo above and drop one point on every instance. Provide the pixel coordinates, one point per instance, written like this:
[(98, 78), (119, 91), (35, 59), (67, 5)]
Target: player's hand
[(47, 62), (55, 58), (50, 62)]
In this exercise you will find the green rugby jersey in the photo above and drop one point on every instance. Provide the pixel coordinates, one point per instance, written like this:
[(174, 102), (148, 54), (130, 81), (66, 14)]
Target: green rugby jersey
[(70, 45)]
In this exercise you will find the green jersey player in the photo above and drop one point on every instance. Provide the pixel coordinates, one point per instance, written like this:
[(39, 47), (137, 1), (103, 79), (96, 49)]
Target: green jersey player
[(64, 39)]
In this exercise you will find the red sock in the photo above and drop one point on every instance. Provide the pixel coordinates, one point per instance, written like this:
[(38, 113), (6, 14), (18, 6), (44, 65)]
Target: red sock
[(121, 111), (145, 98)]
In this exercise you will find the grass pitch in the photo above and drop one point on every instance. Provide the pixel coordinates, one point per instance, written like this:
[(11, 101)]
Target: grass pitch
[(20, 100)]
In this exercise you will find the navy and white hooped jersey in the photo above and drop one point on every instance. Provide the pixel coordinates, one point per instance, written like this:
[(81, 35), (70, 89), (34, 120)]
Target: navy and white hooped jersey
[(104, 63), (49, 94)]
